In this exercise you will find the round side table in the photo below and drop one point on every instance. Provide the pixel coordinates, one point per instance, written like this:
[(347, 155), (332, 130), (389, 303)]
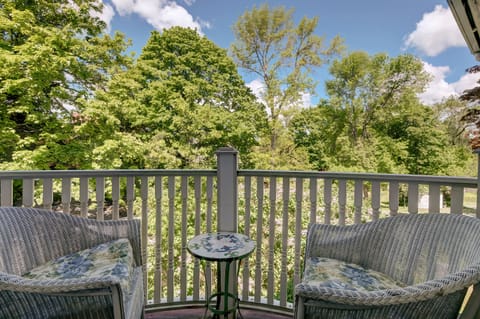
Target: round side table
[(222, 247)]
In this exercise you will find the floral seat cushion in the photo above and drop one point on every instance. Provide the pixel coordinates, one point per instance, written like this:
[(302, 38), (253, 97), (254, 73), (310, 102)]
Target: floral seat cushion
[(336, 274), (113, 259)]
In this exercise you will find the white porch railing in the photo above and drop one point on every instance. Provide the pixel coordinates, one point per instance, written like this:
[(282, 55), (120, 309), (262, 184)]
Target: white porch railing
[(273, 207)]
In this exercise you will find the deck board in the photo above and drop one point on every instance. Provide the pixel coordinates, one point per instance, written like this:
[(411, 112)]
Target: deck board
[(197, 312)]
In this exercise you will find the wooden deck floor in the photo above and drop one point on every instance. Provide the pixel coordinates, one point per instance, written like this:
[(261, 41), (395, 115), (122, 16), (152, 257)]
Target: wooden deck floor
[(197, 312)]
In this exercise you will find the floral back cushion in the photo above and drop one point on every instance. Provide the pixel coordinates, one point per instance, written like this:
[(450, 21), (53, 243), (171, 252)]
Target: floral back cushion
[(114, 259), (336, 274)]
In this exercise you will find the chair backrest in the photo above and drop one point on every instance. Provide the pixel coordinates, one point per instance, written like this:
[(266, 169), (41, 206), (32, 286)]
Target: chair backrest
[(410, 248), (30, 237)]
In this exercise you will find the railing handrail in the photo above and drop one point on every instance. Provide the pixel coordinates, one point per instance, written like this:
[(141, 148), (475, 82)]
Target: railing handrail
[(445, 180), (107, 173), (421, 179)]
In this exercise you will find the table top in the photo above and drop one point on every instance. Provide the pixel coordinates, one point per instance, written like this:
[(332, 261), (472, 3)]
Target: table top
[(221, 246)]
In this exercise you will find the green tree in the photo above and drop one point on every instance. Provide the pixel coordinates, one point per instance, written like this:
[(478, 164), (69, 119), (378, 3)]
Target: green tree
[(52, 54), (283, 55), (425, 141), (367, 88), (450, 112), (374, 121), (181, 101)]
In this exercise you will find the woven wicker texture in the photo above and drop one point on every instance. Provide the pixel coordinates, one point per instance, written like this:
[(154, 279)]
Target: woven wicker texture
[(436, 255), (30, 237)]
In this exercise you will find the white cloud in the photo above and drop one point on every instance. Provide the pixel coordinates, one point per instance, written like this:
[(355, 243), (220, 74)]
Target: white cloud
[(436, 32), (161, 14), (468, 81), (107, 15), (439, 88), (306, 100), (258, 88)]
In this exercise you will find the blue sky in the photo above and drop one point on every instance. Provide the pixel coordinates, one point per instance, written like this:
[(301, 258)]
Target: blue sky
[(424, 28)]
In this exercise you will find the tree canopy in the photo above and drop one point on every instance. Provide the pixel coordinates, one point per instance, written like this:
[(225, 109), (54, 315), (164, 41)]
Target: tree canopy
[(283, 56), (182, 100), (373, 120), (52, 54)]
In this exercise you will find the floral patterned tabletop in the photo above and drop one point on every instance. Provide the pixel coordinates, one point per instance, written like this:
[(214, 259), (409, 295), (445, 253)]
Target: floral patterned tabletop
[(221, 246)]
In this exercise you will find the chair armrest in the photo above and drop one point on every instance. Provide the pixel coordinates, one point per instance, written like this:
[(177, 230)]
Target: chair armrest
[(55, 286), (415, 293)]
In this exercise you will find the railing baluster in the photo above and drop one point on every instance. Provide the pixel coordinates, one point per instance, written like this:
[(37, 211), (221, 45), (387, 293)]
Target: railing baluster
[(342, 201), (47, 196), (183, 249), (258, 266), (144, 214), (271, 239), (313, 200), (171, 235), (196, 263), (456, 200), (327, 199), (434, 198), (298, 230), (130, 195), (393, 192), (27, 192), (358, 201), (285, 239), (246, 262), (100, 196), (208, 266), (157, 279), (412, 198), (115, 197), (376, 190), (84, 197), (66, 194)]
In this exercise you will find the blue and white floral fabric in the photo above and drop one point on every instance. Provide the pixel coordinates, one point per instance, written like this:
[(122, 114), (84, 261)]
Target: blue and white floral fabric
[(336, 274), (114, 259)]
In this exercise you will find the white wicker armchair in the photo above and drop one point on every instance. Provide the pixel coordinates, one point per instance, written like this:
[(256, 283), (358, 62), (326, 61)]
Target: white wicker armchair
[(32, 237), (435, 257)]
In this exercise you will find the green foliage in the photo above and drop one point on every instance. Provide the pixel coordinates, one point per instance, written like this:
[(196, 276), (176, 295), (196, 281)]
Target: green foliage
[(52, 54), (180, 102), (451, 112), (369, 88), (374, 122)]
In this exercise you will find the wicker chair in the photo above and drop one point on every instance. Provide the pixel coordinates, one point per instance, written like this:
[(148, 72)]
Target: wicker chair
[(31, 237), (435, 256)]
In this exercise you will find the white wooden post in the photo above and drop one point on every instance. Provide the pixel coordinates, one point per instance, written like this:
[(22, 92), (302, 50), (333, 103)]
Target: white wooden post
[(227, 207), (227, 211)]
